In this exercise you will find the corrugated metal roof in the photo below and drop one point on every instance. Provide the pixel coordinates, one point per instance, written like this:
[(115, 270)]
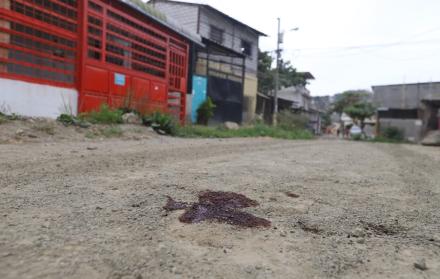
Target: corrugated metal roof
[(215, 10), (169, 23)]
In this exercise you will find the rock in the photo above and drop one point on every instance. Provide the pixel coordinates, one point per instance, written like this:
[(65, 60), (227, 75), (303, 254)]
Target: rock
[(432, 139), (92, 148), (19, 132), (358, 232), (231, 126), (361, 241), (421, 265), (131, 118), (32, 136)]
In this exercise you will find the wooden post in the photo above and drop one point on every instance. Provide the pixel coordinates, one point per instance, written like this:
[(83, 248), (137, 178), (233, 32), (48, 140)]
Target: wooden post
[(4, 37)]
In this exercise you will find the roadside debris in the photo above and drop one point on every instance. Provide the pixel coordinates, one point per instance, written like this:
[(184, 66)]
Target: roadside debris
[(218, 206), (291, 195)]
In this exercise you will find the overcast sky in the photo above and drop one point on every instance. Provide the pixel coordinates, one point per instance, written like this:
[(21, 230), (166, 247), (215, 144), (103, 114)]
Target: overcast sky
[(395, 41)]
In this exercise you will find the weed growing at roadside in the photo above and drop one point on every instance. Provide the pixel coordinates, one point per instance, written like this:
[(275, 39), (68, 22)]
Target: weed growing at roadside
[(112, 132), (105, 115), (162, 123), (258, 130), (47, 128)]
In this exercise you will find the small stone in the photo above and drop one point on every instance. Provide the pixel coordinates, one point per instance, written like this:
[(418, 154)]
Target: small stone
[(32, 136), (231, 126), (99, 208), (361, 241), (358, 232), (131, 118), (283, 234), (92, 148), (19, 132), (421, 265)]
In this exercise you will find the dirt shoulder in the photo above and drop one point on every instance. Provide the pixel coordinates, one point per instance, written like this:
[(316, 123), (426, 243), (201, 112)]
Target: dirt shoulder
[(93, 209)]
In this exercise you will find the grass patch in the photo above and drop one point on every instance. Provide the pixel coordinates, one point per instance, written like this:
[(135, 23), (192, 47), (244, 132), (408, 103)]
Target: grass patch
[(112, 132), (47, 128), (105, 115), (107, 132), (258, 130)]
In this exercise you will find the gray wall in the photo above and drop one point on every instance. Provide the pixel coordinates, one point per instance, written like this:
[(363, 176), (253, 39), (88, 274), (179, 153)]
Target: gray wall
[(188, 16), (411, 128), (233, 35), (405, 96)]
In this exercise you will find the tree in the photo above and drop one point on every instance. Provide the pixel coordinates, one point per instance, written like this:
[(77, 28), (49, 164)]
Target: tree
[(266, 74), (359, 112), (349, 98)]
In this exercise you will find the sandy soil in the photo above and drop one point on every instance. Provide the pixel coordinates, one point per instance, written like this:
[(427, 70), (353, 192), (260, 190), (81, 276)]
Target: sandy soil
[(93, 209)]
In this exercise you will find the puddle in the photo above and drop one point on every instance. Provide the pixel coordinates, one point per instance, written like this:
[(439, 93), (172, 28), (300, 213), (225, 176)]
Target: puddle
[(222, 207)]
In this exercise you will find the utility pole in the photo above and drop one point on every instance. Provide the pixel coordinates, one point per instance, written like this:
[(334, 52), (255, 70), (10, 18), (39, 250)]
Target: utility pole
[(277, 75)]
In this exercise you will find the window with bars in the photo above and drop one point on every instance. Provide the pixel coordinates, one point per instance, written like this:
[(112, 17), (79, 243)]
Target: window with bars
[(126, 42), (29, 50), (216, 34)]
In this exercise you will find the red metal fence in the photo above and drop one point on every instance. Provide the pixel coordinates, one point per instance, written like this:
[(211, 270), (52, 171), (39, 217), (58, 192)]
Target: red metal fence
[(109, 51)]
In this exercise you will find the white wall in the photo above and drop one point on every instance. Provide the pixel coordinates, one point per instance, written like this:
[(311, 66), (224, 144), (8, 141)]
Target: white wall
[(36, 100)]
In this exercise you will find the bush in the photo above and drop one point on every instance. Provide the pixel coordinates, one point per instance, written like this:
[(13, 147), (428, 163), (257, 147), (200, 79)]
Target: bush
[(105, 115), (258, 130), (205, 112), (393, 134), (288, 120), (162, 123)]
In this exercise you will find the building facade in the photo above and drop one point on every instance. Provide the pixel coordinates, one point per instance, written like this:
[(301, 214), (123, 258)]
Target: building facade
[(413, 108), (70, 56), (237, 62)]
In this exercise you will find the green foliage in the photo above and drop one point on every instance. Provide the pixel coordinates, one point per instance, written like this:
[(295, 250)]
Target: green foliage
[(162, 123), (289, 120), (360, 112), (348, 99), (356, 137), (3, 117), (105, 115), (326, 120), (258, 130), (112, 132), (288, 75), (205, 111), (392, 134)]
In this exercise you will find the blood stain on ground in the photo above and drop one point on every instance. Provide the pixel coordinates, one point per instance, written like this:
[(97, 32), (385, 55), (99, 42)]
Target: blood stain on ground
[(222, 207), (291, 195)]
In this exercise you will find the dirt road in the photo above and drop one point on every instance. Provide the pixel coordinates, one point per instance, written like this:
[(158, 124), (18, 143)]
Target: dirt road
[(94, 210)]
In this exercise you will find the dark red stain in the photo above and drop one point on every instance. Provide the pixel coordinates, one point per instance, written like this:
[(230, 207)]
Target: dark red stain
[(291, 195), (222, 207)]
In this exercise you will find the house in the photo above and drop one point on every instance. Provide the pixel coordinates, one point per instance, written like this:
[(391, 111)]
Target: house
[(298, 99), (413, 108), (72, 56), (226, 69)]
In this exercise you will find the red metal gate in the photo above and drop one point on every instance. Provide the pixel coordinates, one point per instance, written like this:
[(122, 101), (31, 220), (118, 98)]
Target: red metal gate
[(38, 41), (111, 52), (128, 61)]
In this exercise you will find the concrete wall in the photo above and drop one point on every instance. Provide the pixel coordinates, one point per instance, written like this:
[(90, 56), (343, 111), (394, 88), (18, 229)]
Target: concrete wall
[(405, 96), (250, 98), (411, 128), (36, 100)]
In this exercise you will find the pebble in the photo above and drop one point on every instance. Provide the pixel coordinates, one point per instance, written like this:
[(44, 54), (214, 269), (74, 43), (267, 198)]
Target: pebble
[(421, 265)]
